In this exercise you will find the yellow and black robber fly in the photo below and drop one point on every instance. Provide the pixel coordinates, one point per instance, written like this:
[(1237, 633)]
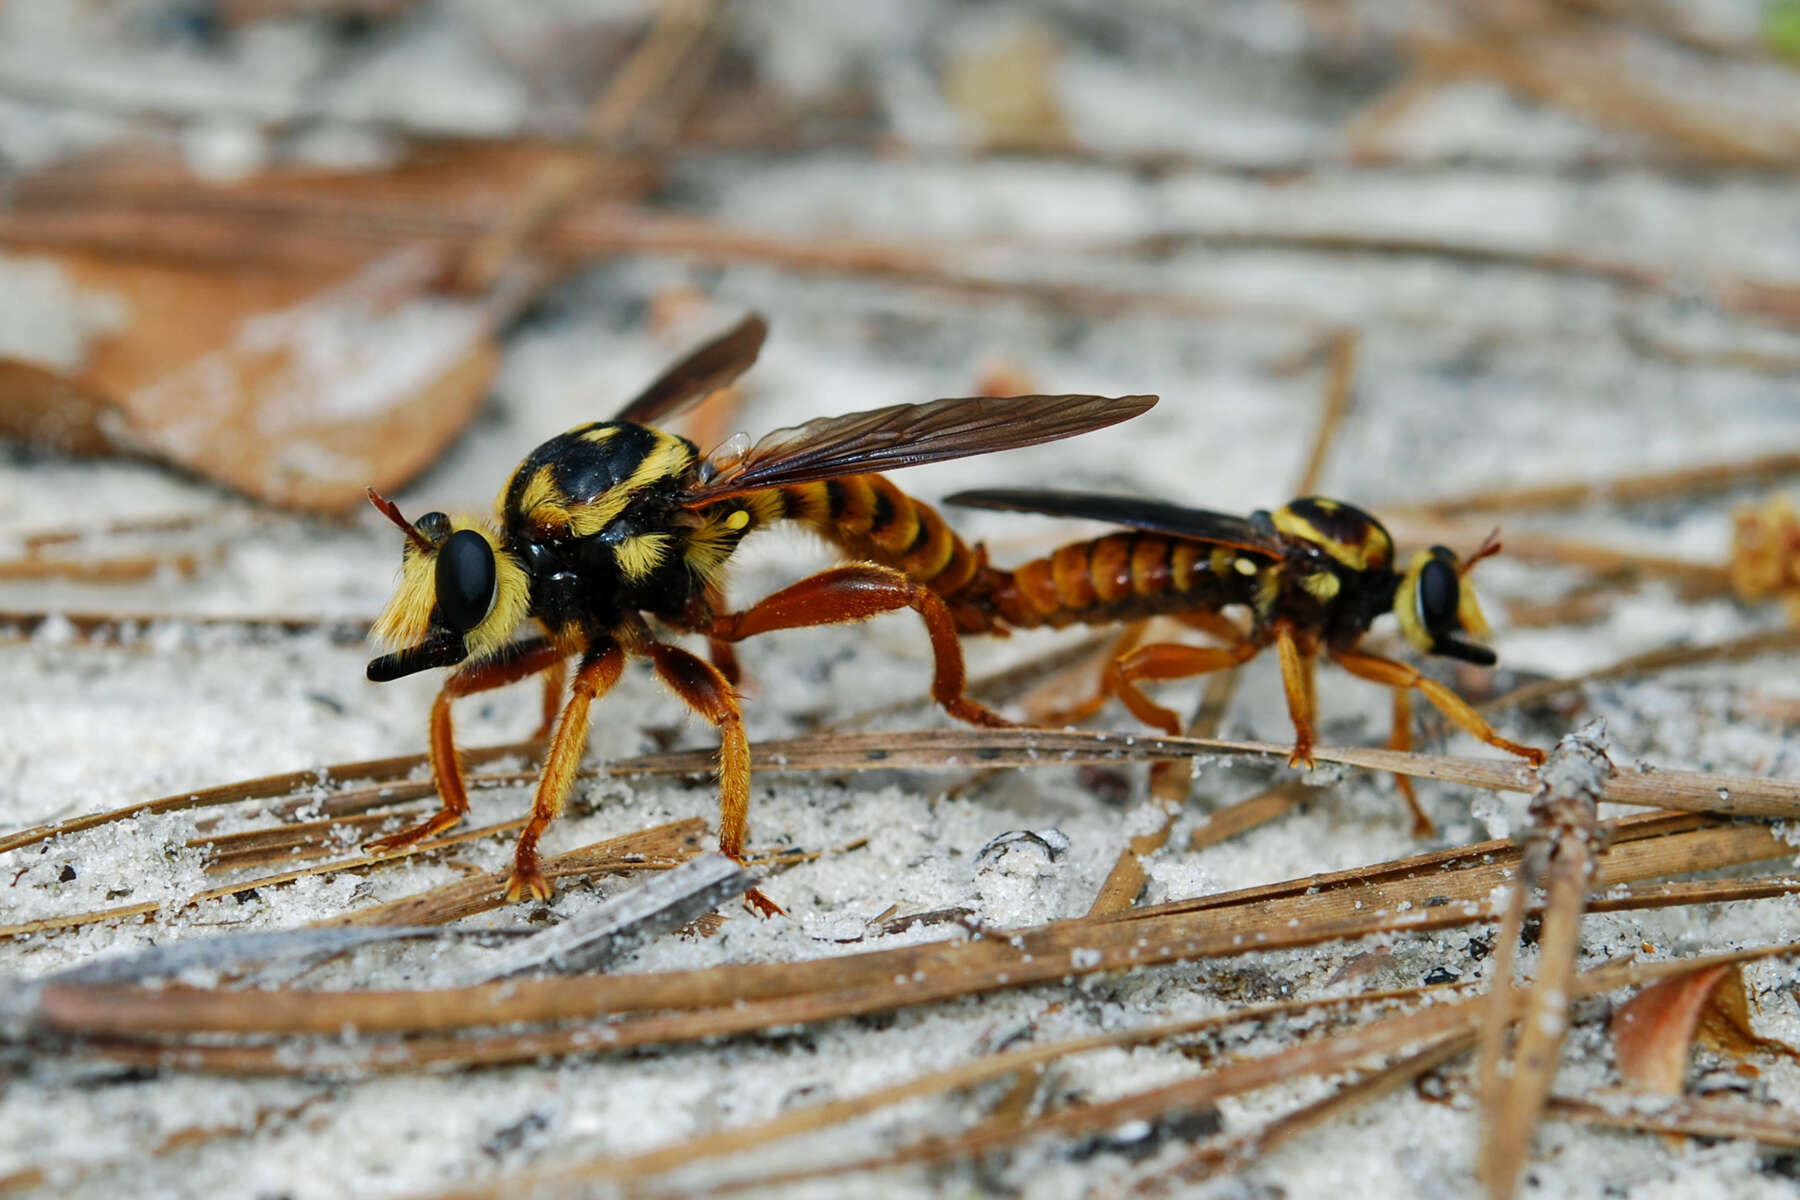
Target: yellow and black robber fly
[(1313, 575), (613, 530)]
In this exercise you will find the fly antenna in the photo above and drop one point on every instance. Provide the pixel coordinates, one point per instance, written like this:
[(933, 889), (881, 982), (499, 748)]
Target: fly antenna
[(391, 511), (1489, 547)]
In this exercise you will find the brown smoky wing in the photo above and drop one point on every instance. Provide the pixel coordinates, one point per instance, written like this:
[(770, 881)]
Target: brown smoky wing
[(699, 373), (906, 435), (1153, 516)]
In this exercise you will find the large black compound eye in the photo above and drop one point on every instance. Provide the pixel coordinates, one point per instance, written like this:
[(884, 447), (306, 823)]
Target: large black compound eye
[(1439, 595), (465, 580)]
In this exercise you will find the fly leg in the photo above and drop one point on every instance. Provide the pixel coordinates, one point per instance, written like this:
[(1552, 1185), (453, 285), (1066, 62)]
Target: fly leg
[(509, 665), (1297, 685), (704, 689), (1217, 624), (1400, 676), (599, 670), (1109, 682), (1401, 739), (699, 615), (556, 678), (1081, 710), (725, 658), (1169, 660), (855, 592), (720, 651)]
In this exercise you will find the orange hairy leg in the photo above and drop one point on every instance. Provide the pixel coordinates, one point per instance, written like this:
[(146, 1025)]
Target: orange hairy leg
[(1401, 739), (1169, 660), (725, 658), (855, 592), (1217, 624), (599, 670), (1081, 710), (699, 617), (556, 678), (1309, 663), (721, 652), (1400, 676), (1297, 685), (509, 666), (703, 688)]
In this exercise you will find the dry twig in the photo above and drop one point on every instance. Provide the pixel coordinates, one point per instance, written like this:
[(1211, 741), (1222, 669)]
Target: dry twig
[(1560, 849), (1647, 487)]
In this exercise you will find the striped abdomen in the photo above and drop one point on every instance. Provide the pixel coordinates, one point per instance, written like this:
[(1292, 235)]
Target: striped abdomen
[(867, 517), (1119, 577)]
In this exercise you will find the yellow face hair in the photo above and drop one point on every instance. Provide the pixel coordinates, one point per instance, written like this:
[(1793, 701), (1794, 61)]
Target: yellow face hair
[(1406, 605), (1412, 613), (408, 614), (1468, 610), (406, 621)]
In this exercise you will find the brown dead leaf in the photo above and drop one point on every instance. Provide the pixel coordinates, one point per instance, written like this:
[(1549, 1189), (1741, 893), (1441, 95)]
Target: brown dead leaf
[(349, 367), (437, 190), (299, 388), (1653, 1031), (1725, 1022), (46, 410), (295, 362)]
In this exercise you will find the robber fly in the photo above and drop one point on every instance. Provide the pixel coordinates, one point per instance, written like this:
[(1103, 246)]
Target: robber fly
[(609, 534), (1313, 575)]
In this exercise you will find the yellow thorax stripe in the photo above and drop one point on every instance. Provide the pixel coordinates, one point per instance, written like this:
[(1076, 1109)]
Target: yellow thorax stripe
[(1372, 548), (543, 503), (669, 456), (540, 492)]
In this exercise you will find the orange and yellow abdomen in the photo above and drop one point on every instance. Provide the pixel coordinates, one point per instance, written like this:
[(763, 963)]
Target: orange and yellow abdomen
[(867, 517), (1118, 577)]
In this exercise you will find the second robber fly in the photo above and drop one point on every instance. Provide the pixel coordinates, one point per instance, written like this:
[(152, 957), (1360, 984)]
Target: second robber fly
[(611, 534), (1313, 576)]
